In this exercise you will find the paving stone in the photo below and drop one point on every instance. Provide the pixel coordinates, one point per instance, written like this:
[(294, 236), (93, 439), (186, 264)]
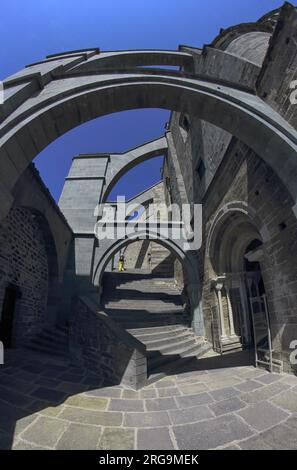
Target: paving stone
[(22, 423), (168, 392), (117, 439), (71, 378), (45, 382), (194, 400), (150, 393), (227, 406), (287, 401), (23, 445), (79, 437), (146, 420), (105, 392), (292, 422), (130, 394), (249, 386), (45, 431), (26, 376), (120, 404), (223, 383), (15, 384), (268, 378), (160, 404), (255, 443), (14, 398), (165, 383), (52, 411), (262, 415), (70, 388), (289, 379), (190, 415), (224, 393), (99, 418), (211, 434), (5, 441), (264, 393), (49, 395), (33, 368), (191, 389), (280, 437), (93, 403), (154, 439)]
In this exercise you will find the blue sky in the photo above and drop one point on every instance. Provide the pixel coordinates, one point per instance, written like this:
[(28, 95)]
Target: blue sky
[(32, 29)]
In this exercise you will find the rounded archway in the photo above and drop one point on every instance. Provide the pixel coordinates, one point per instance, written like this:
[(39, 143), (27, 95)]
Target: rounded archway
[(236, 255), (69, 101)]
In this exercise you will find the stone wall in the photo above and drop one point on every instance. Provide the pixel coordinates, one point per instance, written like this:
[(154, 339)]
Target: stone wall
[(23, 261), (98, 344), (248, 180), (235, 184)]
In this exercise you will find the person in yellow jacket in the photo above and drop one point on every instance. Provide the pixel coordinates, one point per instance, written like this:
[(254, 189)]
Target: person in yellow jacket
[(121, 263)]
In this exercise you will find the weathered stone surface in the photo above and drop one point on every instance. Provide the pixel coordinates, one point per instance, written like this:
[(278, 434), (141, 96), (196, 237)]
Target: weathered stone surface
[(211, 434), (92, 403), (227, 406), (126, 405), (194, 400), (117, 439), (79, 437), (45, 432), (190, 415), (262, 415), (287, 401), (91, 417), (154, 439), (146, 420), (160, 404)]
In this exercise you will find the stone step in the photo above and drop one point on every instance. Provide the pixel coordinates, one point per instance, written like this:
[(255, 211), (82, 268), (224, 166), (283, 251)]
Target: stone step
[(44, 350), (180, 363), (157, 329), (143, 325), (163, 336), (171, 342), (157, 359), (178, 347)]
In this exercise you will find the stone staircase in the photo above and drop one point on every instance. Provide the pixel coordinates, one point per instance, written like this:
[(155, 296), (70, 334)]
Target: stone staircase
[(151, 310), (52, 340)]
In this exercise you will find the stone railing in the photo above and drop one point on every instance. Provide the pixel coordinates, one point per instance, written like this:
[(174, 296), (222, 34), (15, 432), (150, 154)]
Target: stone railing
[(98, 344)]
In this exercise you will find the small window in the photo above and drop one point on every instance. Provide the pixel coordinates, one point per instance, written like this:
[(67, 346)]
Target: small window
[(200, 169)]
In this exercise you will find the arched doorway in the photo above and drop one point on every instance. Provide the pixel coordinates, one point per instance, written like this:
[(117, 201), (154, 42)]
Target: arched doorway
[(236, 252)]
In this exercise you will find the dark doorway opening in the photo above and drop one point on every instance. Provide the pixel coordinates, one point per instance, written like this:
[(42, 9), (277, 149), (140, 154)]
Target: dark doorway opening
[(12, 293)]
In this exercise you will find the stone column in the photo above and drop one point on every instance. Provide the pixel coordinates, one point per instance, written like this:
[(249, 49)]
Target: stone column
[(230, 311), (218, 285), (194, 294)]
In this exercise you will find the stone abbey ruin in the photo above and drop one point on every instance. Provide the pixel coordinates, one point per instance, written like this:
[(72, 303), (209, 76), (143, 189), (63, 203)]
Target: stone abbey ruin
[(230, 146)]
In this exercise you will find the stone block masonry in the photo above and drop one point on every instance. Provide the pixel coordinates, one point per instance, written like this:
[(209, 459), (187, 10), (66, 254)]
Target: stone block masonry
[(23, 261)]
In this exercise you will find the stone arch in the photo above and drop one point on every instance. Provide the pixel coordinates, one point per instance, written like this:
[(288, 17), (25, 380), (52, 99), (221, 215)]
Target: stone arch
[(233, 207), (188, 262), (41, 118), (120, 164), (183, 257)]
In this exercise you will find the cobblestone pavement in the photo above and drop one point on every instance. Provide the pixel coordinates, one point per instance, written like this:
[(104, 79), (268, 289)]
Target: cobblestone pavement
[(49, 404)]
